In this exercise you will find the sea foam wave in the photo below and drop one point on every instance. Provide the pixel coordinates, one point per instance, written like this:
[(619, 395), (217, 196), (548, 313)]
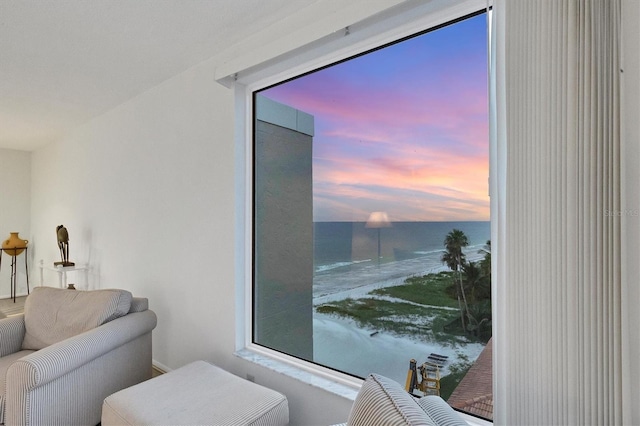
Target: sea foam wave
[(324, 268)]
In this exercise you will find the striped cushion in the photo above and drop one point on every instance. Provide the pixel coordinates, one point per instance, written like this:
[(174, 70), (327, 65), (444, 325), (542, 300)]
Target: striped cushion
[(53, 314), (382, 401), (440, 412)]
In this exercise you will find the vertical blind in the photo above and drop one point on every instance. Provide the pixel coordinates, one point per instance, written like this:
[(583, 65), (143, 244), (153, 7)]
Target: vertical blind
[(557, 212)]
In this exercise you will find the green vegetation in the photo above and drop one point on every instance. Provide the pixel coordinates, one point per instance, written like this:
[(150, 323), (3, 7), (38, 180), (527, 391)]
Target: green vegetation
[(400, 318), (455, 259), (427, 290)]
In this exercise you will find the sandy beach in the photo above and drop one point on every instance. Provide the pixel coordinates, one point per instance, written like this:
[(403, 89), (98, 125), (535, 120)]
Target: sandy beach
[(341, 344)]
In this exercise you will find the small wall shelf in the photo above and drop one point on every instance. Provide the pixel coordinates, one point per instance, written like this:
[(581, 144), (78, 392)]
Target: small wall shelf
[(62, 272)]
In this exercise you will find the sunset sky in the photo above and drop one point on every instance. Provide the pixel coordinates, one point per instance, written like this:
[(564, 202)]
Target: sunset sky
[(402, 130)]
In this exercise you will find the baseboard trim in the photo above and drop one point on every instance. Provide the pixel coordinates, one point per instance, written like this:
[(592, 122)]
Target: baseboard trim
[(159, 368)]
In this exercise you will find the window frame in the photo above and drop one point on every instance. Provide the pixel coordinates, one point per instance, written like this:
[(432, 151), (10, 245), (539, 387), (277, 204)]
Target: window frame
[(374, 36)]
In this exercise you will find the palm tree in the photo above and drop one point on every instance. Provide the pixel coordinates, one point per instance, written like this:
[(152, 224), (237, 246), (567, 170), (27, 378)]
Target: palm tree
[(485, 263), (485, 266), (455, 259), (474, 282), (473, 276)]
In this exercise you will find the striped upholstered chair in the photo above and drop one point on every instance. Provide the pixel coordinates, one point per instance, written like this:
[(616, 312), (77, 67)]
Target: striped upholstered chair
[(382, 401), (69, 351)]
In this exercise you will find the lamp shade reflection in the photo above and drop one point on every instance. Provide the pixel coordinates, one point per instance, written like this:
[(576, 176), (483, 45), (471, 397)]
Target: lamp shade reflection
[(378, 220)]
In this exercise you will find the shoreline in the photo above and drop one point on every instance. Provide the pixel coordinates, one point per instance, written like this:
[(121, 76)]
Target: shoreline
[(361, 278)]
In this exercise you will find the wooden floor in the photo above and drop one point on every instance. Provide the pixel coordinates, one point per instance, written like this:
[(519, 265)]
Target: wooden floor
[(8, 307)]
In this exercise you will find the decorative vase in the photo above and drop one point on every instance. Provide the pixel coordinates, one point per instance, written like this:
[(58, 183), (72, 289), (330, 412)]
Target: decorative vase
[(14, 245)]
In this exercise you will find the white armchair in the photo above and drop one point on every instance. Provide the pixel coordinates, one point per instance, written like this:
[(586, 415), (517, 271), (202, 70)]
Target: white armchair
[(93, 344)]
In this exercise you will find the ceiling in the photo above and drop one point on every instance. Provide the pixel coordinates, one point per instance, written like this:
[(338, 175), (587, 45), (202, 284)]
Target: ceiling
[(64, 62)]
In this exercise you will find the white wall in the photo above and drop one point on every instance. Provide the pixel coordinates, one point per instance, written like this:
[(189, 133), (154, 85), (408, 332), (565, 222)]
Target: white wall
[(146, 192), (15, 212)]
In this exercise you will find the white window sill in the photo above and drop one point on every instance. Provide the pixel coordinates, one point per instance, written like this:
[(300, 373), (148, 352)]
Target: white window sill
[(298, 372), (474, 421), (344, 390)]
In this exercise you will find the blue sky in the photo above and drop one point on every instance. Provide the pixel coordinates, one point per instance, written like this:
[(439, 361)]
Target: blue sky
[(402, 130)]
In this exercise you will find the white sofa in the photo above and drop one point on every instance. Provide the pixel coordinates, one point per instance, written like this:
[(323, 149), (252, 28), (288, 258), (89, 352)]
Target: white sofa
[(382, 401), (69, 351)]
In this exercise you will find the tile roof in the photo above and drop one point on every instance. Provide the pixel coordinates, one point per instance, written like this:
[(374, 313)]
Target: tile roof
[(474, 393)]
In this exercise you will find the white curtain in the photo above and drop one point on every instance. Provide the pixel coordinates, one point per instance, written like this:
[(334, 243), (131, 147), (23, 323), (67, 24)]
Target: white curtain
[(559, 216)]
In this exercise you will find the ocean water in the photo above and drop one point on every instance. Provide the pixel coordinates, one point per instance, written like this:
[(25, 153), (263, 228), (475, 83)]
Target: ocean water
[(340, 246)]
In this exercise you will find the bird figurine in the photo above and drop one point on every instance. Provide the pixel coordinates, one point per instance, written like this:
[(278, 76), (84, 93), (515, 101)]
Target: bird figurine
[(63, 245)]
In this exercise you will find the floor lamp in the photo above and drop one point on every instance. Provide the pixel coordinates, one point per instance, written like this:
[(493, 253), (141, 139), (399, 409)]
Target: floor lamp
[(378, 220)]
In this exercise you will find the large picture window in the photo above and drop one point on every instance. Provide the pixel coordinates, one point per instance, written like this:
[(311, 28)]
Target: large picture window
[(371, 215)]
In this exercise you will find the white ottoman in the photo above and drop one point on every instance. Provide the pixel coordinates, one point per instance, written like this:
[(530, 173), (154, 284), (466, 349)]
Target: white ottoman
[(197, 394)]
